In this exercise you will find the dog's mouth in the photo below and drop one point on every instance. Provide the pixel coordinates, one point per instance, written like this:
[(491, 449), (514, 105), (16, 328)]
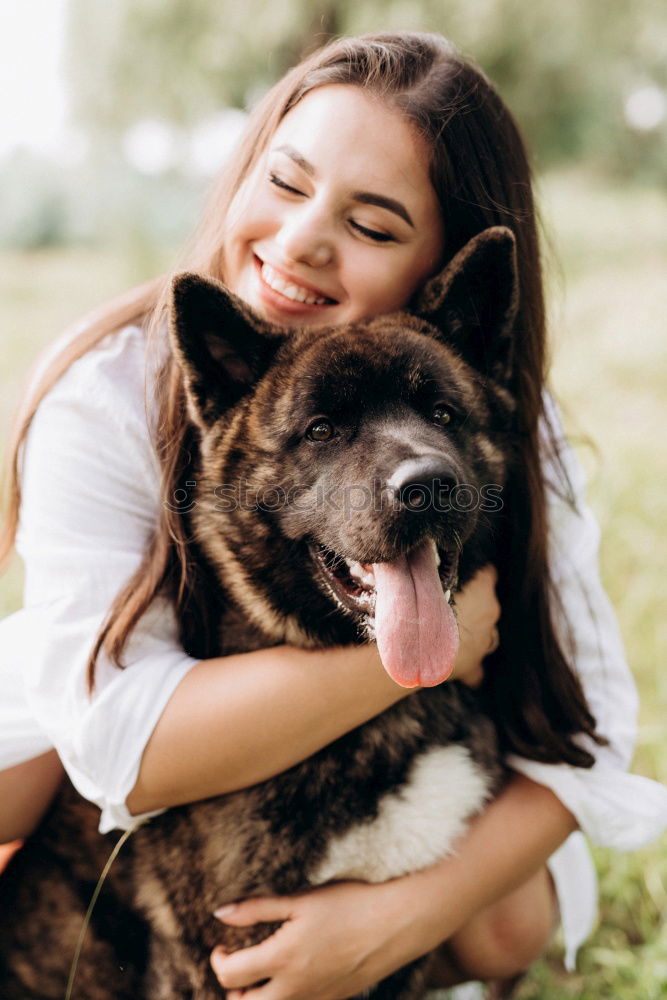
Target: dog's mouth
[(405, 604), (353, 583)]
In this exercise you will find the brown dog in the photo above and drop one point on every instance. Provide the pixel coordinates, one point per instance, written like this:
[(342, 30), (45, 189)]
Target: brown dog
[(344, 482)]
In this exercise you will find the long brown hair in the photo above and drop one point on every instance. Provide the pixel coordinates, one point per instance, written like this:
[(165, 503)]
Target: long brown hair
[(480, 172)]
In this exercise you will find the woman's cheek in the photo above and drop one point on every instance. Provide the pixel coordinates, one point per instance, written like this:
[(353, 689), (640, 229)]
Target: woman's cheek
[(384, 289)]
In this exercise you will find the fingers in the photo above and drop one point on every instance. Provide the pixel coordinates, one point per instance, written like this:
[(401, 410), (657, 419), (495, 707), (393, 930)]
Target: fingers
[(264, 909), (490, 573), (488, 578), (477, 602), (266, 992), (242, 968), (247, 966), (494, 641)]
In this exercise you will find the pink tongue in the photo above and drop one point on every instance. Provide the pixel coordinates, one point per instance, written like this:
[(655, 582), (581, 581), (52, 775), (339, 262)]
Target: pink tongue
[(416, 631)]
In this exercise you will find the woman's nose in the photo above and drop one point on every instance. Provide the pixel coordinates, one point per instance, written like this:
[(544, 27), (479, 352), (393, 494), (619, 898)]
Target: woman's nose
[(306, 237)]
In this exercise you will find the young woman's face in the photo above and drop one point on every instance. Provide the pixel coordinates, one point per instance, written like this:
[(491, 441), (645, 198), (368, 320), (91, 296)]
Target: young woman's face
[(338, 220)]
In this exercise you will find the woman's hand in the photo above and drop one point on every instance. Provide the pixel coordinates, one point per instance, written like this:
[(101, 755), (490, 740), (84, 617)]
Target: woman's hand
[(339, 939), (336, 941), (477, 611)]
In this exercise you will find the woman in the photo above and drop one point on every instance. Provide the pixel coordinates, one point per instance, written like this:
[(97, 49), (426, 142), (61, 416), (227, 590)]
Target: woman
[(363, 170)]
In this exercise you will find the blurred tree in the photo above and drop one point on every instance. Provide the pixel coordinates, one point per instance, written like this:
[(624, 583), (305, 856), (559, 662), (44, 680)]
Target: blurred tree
[(566, 69), (185, 59)]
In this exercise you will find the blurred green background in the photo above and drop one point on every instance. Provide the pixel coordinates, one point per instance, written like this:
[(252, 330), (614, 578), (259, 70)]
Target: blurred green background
[(154, 95)]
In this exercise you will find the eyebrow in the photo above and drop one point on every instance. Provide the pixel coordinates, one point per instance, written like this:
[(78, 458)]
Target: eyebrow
[(295, 155), (363, 197), (368, 198)]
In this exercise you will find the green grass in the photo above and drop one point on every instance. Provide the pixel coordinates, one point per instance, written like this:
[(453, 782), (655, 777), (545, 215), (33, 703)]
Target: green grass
[(609, 317)]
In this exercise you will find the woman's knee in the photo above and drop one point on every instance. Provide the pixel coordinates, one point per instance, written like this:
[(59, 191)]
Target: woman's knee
[(26, 790), (509, 936)]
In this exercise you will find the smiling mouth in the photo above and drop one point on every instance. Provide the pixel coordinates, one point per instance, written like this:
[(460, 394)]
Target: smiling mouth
[(352, 583), (290, 290)]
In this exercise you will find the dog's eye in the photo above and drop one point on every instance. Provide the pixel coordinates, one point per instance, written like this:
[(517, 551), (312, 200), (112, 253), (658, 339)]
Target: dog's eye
[(441, 415), (320, 430)]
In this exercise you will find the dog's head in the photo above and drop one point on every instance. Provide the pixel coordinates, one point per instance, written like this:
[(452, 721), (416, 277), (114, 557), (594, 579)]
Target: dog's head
[(365, 459)]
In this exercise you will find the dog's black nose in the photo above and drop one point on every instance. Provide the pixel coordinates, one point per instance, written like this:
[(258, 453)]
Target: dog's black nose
[(422, 483)]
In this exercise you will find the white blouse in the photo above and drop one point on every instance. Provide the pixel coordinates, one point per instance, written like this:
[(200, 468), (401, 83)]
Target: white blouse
[(90, 498)]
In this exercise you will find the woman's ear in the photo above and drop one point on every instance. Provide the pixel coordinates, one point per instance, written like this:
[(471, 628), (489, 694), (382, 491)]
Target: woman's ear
[(473, 301), (221, 346)]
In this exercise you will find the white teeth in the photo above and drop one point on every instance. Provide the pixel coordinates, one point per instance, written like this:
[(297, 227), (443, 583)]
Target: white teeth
[(448, 596), (364, 576), (294, 292)]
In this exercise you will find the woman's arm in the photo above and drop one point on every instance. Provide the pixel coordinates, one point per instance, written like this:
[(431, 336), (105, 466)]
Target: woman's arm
[(339, 939), (238, 720)]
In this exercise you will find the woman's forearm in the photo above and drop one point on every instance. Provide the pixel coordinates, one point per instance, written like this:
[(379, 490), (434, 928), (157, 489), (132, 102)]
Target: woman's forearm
[(237, 720), (500, 851)]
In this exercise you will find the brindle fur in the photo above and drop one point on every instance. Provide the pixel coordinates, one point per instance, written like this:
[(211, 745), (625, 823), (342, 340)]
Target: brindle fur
[(252, 390)]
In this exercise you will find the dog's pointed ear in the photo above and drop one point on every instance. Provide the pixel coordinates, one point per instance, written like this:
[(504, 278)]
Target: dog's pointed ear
[(474, 301), (221, 346)]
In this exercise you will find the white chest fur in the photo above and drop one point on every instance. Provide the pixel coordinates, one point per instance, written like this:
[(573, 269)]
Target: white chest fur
[(415, 825)]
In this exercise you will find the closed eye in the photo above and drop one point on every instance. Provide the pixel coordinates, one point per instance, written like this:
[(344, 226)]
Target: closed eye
[(372, 234), (280, 183)]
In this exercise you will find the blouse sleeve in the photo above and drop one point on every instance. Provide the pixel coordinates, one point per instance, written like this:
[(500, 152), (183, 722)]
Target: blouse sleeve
[(89, 505), (612, 807)]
